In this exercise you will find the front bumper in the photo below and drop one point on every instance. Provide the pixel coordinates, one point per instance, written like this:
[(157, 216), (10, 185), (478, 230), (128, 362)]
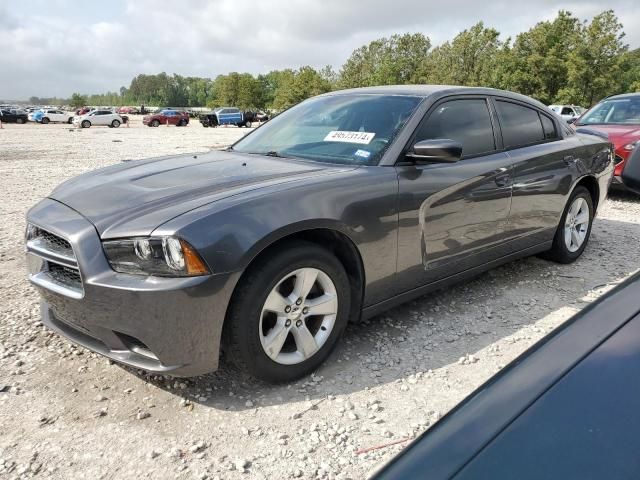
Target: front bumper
[(163, 325)]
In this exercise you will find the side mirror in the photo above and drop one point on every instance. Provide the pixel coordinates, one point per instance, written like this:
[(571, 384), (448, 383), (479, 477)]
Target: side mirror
[(440, 150), (631, 171)]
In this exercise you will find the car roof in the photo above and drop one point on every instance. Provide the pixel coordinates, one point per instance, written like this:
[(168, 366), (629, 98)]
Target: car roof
[(623, 95), (435, 90)]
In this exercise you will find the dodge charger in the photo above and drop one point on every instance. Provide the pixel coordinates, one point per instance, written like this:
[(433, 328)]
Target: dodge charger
[(339, 208)]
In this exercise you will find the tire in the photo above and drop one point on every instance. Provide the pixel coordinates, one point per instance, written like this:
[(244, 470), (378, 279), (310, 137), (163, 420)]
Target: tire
[(181, 123), (85, 124), (44, 120), (247, 124), (20, 121), (70, 121), (561, 252), (115, 123), (248, 321), (155, 123)]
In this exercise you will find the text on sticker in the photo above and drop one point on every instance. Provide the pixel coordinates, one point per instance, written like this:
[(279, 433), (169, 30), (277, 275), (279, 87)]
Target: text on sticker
[(349, 137)]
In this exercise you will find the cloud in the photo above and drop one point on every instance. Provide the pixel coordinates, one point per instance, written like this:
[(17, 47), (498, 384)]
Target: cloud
[(61, 46)]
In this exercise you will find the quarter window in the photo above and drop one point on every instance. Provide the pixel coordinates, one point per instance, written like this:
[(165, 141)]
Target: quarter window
[(467, 121), (521, 125), (548, 127)]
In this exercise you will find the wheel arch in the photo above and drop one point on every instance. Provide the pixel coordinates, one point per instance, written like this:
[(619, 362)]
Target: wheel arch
[(332, 239), (591, 184)]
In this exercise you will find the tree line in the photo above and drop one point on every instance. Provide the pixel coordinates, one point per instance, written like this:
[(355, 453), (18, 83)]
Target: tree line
[(564, 60)]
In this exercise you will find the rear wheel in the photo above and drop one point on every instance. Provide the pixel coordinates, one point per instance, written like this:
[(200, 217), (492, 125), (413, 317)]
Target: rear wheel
[(115, 123), (574, 230), (155, 123), (182, 123), (20, 121), (70, 121), (247, 124), (288, 313), (85, 124), (45, 120)]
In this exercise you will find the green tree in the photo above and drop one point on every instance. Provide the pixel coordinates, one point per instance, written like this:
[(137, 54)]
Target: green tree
[(469, 59), (386, 61), (78, 100), (595, 65)]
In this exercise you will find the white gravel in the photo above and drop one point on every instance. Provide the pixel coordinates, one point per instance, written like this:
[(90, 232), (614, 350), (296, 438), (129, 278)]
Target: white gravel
[(67, 413)]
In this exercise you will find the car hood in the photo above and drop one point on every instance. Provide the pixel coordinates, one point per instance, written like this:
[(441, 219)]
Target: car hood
[(618, 134), (134, 198)]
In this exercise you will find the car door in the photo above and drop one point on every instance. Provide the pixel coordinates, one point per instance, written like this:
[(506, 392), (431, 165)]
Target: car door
[(452, 216), (542, 170)]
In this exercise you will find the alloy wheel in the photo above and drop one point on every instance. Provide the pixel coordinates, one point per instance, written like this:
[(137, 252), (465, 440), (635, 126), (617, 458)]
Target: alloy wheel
[(576, 224), (298, 316)]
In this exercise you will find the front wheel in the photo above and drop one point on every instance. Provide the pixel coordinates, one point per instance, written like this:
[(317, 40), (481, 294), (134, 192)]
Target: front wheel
[(115, 123), (155, 123), (574, 230), (45, 120), (247, 124), (85, 124), (288, 313), (20, 121)]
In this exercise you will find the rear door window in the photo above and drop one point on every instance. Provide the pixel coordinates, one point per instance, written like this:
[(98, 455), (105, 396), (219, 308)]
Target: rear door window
[(467, 121), (520, 125), (548, 127)]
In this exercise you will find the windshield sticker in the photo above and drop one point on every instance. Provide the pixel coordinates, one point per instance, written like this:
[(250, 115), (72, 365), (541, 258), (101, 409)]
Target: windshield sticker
[(362, 154), (349, 137)]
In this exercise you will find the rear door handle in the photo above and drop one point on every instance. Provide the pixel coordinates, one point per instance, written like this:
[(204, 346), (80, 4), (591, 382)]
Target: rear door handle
[(502, 179)]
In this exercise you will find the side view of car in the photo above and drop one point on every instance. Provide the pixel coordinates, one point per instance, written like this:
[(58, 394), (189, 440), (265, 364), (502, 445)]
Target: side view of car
[(99, 118), (167, 117), (13, 116), (128, 110), (568, 112), (56, 115), (335, 210), (619, 118), (227, 116)]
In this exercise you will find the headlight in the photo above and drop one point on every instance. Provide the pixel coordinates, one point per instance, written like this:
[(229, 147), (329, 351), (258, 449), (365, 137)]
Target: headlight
[(159, 256)]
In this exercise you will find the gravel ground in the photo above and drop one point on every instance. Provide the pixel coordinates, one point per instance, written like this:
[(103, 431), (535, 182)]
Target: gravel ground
[(67, 413)]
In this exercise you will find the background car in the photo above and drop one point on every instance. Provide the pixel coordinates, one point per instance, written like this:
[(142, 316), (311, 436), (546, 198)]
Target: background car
[(227, 116), (56, 115), (164, 117), (568, 112), (128, 110), (619, 118), (13, 116), (99, 118)]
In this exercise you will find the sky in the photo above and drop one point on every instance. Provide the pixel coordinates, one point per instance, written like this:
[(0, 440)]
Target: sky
[(57, 47)]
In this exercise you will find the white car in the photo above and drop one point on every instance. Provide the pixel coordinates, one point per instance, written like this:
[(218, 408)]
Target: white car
[(56, 115), (568, 112), (98, 117)]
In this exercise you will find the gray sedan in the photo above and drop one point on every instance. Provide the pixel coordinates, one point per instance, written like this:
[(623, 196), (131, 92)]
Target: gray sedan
[(335, 210)]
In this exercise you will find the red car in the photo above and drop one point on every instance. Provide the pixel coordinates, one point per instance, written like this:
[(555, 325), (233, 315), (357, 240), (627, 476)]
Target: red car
[(171, 117), (129, 110), (618, 117)]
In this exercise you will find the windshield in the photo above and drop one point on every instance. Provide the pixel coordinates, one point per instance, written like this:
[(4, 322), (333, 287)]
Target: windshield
[(614, 111), (348, 129)]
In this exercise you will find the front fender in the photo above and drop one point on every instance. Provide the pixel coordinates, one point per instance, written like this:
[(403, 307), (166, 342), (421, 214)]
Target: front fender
[(361, 204)]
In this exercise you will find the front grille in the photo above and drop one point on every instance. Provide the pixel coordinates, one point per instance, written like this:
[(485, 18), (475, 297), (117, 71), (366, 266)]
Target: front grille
[(65, 275), (55, 243), (56, 267)]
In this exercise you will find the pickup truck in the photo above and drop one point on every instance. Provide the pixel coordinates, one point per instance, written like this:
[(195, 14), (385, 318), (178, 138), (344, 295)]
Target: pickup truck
[(227, 116)]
